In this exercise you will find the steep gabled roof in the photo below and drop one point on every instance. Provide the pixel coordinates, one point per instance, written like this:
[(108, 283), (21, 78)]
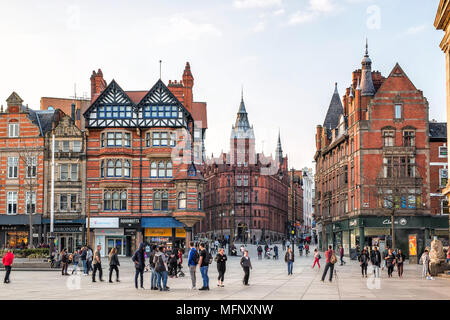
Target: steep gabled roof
[(335, 109), (438, 130)]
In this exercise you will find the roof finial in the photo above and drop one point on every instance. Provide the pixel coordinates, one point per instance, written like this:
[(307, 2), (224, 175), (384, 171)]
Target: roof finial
[(242, 92), (357, 86), (160, 66), (335, 88), (367, 47)]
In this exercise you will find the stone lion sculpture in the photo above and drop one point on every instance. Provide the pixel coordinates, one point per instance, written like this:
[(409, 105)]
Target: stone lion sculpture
[(437, 258)]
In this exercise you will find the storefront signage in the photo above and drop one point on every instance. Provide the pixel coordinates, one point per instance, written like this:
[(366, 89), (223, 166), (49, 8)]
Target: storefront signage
[(8, 228), (180, 233), (353, 223), (130, 231), (129, 222), (401, 221), (158, 232), (412, 245), (109, 232), (68, 229), (104, 222)]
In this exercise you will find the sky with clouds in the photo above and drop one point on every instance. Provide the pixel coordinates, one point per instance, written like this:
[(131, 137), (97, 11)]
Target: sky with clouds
[(287, 54)]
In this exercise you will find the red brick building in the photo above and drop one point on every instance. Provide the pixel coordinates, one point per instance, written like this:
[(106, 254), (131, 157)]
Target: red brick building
[(372, 160), (143, 180), (22, 154), (246, 193), (295, 203)]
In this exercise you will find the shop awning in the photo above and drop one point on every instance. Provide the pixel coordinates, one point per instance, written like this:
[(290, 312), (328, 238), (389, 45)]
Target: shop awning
[(161, 222)]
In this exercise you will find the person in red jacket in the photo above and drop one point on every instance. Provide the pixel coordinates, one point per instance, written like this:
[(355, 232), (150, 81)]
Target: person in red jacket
[(7, 262)]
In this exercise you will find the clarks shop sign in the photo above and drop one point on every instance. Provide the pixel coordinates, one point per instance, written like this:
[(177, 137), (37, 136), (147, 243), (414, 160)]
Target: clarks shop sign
[(401, 221)]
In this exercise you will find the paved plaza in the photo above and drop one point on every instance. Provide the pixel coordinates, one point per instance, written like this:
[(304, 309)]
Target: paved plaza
[(268, 281)]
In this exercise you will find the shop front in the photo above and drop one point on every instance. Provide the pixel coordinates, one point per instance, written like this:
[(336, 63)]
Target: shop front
[(132, 232), (377, 231), (14, 230), (164, 230), (69, 234), (108, 235)]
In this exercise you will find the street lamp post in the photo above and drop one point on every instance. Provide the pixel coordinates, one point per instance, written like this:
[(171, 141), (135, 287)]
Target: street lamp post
[(51, 236), (231, 232)]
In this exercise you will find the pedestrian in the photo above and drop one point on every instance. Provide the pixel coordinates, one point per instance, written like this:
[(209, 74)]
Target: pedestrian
[(89, 257), (375, 258), (400, 259), (317, 258), (330, 257), (288, 244), (160, 261), (260, 250), (173, 264), (425, 260), (390, 262), (289, 259), (204, 265), (363, 262), (139, 263), (113, 264), (341, 254), (221, 260), (180, 260), (97, 262), (306, 248), (385, 253), (246, 265), (83, 256), (64, 262), (275, 251), (7, 261), (300, 248), (448, 255), (242, 249), (193, 258), (75, 261), (154, 277), (284, 244)]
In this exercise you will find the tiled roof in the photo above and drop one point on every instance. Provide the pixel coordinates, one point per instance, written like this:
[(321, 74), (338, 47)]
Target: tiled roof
[(334, 111), (136, 96), (438, 130), (199, 113)]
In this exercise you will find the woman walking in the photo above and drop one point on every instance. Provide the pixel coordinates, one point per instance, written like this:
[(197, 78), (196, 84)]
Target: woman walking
[(246, 265), (221, 259), (64, 262), (289, 259), (400, 260), (316, 258), (364, 261), (390, 262), (113, 264), (7, 261)]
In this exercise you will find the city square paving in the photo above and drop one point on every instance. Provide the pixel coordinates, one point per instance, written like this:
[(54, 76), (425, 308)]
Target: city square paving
[(268, 281)]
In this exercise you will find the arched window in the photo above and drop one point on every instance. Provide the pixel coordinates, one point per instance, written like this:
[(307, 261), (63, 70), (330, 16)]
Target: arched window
[(182, 200), (161, 169), (153, 169), (102, 168), (107, 201), (115, 200), (123, 200), (110, 168), (169, 170), (157, 201), (165, 201), (126, 168), (199, 201), (118, 168), (409, 136)]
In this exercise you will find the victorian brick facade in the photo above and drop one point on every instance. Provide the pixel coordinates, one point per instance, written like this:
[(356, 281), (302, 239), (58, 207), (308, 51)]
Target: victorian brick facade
[(246, 193), (372, 161)]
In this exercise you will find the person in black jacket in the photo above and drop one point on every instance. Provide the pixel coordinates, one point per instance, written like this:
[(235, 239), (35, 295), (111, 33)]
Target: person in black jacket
[(83, 257), (221, 259), (400, 259), (246, 265), (113, 264), (364, 261), (64, 262), (139, 262), (375, 258), (390, 262)]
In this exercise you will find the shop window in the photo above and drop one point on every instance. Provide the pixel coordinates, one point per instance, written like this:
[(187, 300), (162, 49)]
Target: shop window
[(408, 138), (181, 200), (31, 167), (30, 202), (12, 202), (13, 163), (443, 152), (13, 129)]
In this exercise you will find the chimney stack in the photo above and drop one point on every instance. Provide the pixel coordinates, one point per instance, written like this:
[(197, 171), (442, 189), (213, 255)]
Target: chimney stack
[(98, 84)]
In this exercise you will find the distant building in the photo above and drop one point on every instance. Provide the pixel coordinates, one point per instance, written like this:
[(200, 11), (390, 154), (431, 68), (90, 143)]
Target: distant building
[(295, 203), (308, 186), (73, 107)]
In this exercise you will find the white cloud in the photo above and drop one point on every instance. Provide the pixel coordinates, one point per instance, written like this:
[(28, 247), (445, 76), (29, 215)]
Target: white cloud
[(301, 17), (315, 9), (279, 12), (416, 29), (247, 4), (322, 5), (260, 26)]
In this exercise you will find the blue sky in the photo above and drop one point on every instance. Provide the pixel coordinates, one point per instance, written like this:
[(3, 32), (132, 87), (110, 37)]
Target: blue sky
[(286, 53)]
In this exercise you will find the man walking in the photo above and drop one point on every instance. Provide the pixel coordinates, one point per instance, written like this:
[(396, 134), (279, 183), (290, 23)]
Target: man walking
[(83, 257), (193, 258), (341, 255), (97, 264), (89, 256), (139, 263), (246, 265), (330, 261), (204, 265), (375, 258), (7, 262)]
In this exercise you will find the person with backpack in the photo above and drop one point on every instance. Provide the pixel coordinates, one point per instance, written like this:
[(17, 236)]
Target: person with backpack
[(375, 258), (139, 263), (363, 262), (160, 261), (193, 258), (330, 257), (246, 265), (317, 257), (289, 259), (221, 260), (205, 260), (7, 261)]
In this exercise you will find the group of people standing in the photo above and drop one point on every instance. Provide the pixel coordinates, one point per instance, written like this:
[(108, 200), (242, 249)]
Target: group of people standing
[(389, 260)]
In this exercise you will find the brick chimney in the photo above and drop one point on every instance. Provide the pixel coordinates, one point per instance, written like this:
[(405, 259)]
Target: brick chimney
[(14, 102), (98, 84), (188, 83)]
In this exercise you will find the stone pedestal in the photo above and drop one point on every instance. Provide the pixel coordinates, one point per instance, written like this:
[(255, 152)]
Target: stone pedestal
[(437, 258)]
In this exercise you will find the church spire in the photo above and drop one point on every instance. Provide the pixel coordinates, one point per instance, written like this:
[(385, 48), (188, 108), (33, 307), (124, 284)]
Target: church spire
[(367, 88), (242, 117), (279, 151)]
